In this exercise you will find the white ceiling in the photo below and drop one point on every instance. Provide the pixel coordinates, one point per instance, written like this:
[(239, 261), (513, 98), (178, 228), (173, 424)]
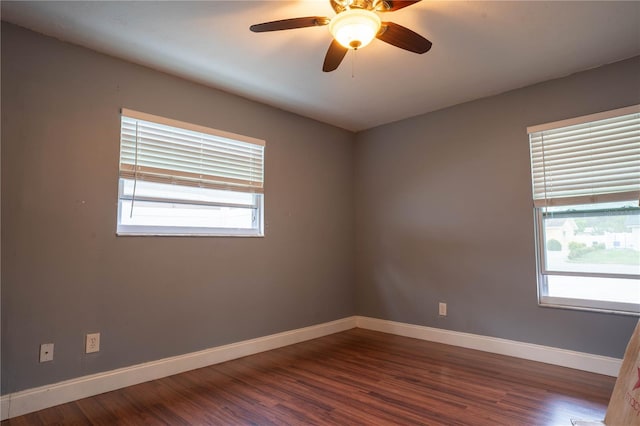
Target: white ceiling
[(479, 49)]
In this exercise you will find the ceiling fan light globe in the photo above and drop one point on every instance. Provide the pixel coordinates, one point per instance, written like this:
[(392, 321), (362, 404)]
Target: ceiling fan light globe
[(355, 28)]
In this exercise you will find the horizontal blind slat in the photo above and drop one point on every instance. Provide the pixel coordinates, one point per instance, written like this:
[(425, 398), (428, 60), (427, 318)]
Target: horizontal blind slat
[(205, 165), (217, 182), (145, 150), (590, 158), (177, 148), (605, 163), (162, 153), (627, 138), (189, 143)]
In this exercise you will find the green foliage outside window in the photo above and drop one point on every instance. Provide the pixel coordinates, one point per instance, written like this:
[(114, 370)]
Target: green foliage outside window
[(554, 245)]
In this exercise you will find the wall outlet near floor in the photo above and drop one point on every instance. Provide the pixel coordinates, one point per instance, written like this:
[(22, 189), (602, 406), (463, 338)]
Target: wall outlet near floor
[(442, 309), (92, 343), (46, 352)]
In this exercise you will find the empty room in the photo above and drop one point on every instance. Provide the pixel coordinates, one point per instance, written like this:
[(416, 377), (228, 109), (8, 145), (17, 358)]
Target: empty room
[(344, 212)]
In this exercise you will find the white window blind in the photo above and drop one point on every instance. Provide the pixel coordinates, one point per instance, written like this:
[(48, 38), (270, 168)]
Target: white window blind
[(161, 150), (589, 159)]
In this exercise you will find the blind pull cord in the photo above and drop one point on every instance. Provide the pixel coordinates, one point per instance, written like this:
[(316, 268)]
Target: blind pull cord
[(544, 176), (135, 173)]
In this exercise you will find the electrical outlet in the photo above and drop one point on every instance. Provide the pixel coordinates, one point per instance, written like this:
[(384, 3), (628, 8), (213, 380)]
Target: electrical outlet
[(46, 352), (442, 309), (92, 344)]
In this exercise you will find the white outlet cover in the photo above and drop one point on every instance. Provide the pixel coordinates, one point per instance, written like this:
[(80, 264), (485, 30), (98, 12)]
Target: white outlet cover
[(92, 343), (46, 352)]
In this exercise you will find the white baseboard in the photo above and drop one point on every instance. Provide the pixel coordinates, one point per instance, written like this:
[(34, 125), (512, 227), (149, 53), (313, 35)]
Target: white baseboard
[(30, 400), (550, 355)]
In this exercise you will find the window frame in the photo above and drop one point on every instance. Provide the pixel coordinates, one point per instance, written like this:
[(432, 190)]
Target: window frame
[(255, 189), (542, 273), (541, 203), (181, 231)]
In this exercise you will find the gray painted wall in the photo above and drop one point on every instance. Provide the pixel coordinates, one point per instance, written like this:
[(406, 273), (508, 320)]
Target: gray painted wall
[(65, 273), (444, 213)]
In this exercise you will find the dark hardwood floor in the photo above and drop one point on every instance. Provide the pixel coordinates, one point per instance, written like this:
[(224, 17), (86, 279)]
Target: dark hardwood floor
[(351, 378)]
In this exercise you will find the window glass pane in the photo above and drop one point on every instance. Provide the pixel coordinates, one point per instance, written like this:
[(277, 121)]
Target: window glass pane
[(167, 214), (187, 193), (593, 238), (592, 288)]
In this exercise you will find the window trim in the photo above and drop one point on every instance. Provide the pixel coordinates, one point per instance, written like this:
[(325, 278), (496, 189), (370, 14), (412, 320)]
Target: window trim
[(544, 300)]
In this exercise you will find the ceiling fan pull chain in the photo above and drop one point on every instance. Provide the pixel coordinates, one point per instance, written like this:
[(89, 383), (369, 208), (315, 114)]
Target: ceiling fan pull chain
[(353, 63)]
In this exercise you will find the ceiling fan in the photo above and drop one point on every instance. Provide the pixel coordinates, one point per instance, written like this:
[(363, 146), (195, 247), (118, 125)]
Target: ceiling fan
[(355, 25)]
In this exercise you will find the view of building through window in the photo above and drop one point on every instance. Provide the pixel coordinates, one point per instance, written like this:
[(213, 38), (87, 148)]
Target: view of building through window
[(593, 239)]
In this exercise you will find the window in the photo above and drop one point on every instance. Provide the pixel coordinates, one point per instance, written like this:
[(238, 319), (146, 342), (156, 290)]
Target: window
[(178, 178), (586, 191)]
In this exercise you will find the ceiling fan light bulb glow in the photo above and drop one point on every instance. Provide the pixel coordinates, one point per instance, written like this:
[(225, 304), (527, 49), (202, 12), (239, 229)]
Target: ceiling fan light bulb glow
[(355, 28)]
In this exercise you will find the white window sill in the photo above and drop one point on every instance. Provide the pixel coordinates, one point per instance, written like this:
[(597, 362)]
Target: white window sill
[(619, 308)]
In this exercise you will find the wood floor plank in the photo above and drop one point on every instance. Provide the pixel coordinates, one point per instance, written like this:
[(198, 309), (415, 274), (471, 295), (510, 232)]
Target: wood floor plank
[(357, 377)]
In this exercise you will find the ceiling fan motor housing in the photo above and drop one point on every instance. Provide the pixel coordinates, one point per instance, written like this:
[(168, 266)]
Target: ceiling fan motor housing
[(355, 28), (342, 5)]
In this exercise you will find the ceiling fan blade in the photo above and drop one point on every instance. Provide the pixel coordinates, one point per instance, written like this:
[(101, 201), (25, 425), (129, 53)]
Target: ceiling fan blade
[(334, 56), (391, 5), (403, 38), (289, 24)]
